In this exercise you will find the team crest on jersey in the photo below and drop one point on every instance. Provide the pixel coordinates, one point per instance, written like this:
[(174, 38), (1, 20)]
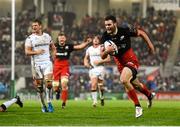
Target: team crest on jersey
[(122, 37), (114, 38)]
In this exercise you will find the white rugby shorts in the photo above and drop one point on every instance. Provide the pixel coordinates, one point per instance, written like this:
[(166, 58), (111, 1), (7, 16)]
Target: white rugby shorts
[(40, 69), (97, 72)]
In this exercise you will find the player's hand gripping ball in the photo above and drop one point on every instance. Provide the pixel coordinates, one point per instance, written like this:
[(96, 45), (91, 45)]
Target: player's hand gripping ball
[(112, 44)]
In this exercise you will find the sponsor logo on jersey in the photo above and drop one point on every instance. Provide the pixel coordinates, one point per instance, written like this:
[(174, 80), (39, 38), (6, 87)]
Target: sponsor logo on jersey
[(122, 37)]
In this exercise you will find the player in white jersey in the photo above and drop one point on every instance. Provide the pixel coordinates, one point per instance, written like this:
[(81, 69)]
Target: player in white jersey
[(94, 62), (38, 46)]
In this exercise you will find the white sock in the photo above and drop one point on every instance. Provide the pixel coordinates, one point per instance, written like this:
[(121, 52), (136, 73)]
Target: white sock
[(10, 102), (94, 96), (48, 95)]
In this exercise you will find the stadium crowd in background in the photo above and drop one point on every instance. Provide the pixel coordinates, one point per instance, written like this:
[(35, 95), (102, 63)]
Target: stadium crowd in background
[(161, 25)]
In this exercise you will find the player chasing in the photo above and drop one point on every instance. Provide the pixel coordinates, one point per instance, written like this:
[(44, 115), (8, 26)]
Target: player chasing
[(7, 104), (126, 59), (38, 46), (61, 64), (94, 62)]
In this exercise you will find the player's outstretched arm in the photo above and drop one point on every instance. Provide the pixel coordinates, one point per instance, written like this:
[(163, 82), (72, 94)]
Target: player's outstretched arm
[(83, 45), (147, 40)]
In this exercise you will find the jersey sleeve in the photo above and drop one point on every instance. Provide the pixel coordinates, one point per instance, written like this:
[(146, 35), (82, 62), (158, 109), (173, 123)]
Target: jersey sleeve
[(103, 38), (50, 39), (131, 31), (28, 42), (71, 47), (87, 51)]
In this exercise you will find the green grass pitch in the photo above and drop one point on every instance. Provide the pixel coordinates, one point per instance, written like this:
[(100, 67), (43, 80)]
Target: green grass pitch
[(81, 113)]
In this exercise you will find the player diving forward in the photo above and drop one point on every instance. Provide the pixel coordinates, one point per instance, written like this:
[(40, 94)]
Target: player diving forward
[(38, 46), (7, 104)]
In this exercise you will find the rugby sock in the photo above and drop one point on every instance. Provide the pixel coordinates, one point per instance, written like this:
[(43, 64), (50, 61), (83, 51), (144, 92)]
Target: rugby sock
[(145, 91), (48, 95), (94, 95), (10, 102), (64, 95), (132, 95)]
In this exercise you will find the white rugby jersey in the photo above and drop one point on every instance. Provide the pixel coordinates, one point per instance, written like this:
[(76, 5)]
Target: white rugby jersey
[(94, 54), (39, 42)]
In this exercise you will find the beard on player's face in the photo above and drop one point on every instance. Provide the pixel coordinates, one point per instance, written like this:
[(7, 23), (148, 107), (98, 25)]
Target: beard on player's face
[(111, 29)]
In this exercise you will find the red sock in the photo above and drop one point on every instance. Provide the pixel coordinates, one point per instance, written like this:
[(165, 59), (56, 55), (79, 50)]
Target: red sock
[(145, 91), (132, 95), (64, 95)]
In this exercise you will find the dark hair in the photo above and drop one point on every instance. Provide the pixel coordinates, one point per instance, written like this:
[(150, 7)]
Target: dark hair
[(61, 33), (38, 21), (110, 17)]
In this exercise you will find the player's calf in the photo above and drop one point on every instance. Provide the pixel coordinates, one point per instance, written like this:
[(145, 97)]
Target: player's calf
[(56, 89), (63, 105), (150, 98), (19, 102)]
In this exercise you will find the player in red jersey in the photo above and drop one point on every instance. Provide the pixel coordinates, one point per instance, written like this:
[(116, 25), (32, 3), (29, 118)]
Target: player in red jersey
[(7, 104), (61, 64), (126, 59)]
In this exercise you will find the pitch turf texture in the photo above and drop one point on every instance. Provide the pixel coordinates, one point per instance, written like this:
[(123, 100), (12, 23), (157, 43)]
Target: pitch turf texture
[(81, 113)]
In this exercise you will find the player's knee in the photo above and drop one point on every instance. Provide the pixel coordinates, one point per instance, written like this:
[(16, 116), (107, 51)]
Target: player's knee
[(93, 86), (38, 82), (39, 89), (64, 83), (101, 87), (64, 80), (124, 80), (48, 83), (100, 84), (56, 86), (39, 85)]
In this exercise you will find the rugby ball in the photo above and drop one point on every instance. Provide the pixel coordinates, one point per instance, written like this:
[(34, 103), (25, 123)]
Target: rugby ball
[(110, 43)]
